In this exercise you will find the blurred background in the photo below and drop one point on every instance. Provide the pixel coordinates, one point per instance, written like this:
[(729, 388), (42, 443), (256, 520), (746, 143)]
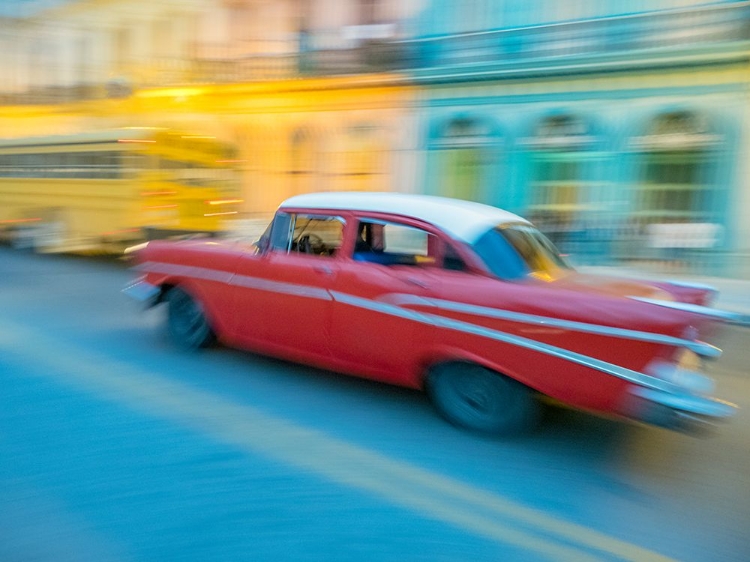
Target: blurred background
[(620, 127)]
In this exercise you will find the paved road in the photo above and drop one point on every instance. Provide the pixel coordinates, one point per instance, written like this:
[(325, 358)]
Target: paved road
[(117, 447)]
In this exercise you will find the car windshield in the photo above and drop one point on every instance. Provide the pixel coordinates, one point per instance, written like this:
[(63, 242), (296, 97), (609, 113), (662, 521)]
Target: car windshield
[(518, 250)]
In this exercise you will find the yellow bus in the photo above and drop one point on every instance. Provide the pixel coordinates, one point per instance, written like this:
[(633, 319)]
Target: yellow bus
[(102, 191)]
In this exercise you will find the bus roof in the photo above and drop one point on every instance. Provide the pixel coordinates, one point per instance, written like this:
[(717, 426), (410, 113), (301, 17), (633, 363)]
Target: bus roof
[(110, 135)]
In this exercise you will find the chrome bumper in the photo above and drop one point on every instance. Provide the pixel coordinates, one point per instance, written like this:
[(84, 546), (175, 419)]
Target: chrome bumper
[(143, 292), (686, 412)]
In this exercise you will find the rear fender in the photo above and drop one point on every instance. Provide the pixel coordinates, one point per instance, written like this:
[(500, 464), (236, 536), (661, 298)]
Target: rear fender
[(201, 295)]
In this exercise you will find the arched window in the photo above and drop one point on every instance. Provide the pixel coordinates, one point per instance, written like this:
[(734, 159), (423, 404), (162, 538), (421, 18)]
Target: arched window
[(562, 195), (465, 157), (675, 155)]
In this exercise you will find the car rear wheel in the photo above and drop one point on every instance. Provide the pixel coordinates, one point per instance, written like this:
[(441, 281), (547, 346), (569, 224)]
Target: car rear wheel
[(186, 322), (470, 396)]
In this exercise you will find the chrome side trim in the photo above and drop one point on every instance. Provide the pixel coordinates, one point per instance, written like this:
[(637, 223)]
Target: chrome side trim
[(629, 375), (237, 280), (701, 348), (692, 285), (696, 309), (385, 308), (397, 308), (280, 287), (186, 271), (713, 292)]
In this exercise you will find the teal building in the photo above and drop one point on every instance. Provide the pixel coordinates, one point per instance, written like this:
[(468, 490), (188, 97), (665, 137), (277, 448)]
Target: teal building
[(620, 127)]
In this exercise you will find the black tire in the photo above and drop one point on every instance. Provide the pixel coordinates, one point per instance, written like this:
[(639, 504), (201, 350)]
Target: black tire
[(475, 398), (186, 322)]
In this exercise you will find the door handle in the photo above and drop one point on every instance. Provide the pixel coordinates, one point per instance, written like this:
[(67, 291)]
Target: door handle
[(323, 269), (417, 282)]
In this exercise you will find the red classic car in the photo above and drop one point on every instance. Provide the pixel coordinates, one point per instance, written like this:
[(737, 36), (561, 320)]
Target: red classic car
[(466, 301)]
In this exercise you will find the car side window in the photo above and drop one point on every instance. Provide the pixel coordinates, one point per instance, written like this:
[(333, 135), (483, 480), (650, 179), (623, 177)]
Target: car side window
[(280, 232), (390, 243), (301, 233)]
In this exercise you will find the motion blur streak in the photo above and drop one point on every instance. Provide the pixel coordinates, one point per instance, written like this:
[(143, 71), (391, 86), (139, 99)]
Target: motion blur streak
[(246, 428)]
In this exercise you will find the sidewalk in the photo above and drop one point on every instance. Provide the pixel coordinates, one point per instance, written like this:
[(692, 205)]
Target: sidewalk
[(734, 294)]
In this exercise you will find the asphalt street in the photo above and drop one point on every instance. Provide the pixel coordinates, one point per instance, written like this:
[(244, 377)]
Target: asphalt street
[(116, 446)]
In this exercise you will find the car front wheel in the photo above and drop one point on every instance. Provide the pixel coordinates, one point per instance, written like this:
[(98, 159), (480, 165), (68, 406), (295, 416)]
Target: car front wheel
[(186, 322), (470, 396)]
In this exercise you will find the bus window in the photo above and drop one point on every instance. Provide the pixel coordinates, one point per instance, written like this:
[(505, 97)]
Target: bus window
[(143, 181)]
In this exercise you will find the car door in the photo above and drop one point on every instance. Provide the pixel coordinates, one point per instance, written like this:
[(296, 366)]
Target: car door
[(283, 294), (378, 330)]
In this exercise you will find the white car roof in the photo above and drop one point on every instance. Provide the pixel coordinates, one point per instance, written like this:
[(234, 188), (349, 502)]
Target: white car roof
[(464, 220)]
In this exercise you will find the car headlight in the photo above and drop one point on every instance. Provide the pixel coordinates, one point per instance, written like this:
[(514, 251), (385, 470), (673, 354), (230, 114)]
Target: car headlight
[(684, 373)]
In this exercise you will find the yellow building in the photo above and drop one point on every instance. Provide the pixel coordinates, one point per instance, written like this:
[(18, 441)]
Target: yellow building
[(296, 136), (303, 91)]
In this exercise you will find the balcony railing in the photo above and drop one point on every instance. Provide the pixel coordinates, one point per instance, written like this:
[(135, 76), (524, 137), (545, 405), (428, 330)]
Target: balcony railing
[(694, 28), (329, 53)]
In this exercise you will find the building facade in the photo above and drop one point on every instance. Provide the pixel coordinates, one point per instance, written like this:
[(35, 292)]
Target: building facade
[(620, 127), (304, 88)]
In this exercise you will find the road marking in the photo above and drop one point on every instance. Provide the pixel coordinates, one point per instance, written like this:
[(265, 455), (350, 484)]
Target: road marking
[(433, 495)]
